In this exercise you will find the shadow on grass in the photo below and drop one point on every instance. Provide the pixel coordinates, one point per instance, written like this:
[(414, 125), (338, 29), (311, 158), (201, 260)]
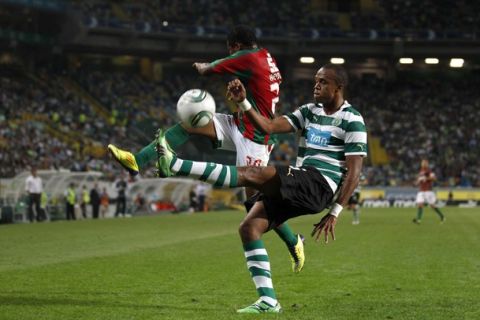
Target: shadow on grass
[(26, 300)]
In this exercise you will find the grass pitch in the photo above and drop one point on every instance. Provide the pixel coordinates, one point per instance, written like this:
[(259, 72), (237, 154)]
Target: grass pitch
[(192, 267)]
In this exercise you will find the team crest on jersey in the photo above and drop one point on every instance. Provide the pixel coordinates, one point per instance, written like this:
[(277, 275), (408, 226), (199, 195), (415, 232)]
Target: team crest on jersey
[(318, 137), (336, 122)]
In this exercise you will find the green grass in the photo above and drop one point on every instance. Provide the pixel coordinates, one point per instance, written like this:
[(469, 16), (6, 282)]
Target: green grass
[(192, 267)]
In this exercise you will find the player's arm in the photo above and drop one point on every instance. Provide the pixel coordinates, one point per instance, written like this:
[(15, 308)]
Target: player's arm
[(327, 224), (354, 167), (236, 92), (203, 68)]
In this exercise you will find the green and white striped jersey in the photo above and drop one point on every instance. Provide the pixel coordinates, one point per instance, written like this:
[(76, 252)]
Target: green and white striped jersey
[(325, 140)]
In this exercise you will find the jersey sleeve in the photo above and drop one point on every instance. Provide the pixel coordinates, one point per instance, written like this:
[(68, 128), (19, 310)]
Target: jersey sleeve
[(297, 117), (356, 136), (237, 65)]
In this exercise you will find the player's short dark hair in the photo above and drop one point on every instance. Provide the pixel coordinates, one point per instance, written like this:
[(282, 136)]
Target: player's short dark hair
[(341, 75), (243, 35)]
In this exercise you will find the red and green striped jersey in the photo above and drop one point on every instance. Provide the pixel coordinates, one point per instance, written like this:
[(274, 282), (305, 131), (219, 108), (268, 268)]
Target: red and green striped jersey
[(259, 73)]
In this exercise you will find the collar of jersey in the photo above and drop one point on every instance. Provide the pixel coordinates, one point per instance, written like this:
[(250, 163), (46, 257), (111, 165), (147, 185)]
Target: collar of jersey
[(343, 106), (240, 52)]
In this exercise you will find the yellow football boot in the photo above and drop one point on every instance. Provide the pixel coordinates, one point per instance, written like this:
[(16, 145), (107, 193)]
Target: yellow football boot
[(297, 255), (125, 158)]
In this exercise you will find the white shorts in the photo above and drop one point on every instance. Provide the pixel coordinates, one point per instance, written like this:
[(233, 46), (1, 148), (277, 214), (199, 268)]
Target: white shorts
[(426, 197), (230, 138)]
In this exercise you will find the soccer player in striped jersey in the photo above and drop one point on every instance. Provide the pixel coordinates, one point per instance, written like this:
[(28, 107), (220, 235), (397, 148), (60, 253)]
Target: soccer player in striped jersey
[(425, 194), (331, 148), (258, 70)]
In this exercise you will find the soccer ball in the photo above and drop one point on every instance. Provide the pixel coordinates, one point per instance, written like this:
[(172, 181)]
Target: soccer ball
[(196, 108)]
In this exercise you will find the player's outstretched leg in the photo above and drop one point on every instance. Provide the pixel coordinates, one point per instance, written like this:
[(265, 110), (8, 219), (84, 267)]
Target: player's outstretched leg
[(169, 165), (176, 137)]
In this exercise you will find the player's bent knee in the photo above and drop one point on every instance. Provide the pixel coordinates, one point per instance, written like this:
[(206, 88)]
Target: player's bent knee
[(247, 231)]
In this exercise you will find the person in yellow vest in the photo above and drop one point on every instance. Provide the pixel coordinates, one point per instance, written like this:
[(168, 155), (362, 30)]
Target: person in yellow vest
[(70, 199), (85, 196), (55, 117), (82, 118), (44, 203)]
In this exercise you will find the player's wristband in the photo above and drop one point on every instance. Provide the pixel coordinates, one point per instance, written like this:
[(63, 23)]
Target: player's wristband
[(245, 105), (335, 210)]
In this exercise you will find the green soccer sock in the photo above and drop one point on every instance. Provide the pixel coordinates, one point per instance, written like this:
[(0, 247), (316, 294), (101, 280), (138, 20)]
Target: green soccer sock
[(419, 213), (286, 234), (214, 173), (146, 155), (440, 214), (176, 136), (259, 266)]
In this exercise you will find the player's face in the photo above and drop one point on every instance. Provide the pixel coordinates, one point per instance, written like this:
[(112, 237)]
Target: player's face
[(424, 164), (325, 86)]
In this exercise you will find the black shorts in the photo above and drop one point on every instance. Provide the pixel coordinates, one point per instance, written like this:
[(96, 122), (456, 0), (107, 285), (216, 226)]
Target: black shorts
[(355, 198), (302, 191)]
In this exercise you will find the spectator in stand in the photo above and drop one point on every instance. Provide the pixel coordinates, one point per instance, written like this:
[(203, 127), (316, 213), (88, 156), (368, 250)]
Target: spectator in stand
[(70, 200), (139, 203), (121, 187), (85, 200), (95, 200), (104, 203), (193, 200), (201, 192), (34, 188)]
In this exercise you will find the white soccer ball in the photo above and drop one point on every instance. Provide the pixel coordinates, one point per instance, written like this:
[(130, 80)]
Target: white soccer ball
[(196, 108)]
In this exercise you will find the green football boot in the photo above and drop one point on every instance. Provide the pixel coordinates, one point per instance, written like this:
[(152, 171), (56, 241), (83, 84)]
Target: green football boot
[(165, 155), (261, 307)]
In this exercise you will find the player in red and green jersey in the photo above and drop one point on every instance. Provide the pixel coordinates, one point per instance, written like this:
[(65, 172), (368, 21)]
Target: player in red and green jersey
[(257, 69), (425, 195)]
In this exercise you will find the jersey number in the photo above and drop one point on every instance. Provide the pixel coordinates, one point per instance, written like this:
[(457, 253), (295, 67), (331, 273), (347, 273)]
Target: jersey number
[(274, 87), (253, 162)]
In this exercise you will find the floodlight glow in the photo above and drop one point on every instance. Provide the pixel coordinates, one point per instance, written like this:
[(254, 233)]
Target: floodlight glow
[(307, 59), (406, 60), (337, 60), (431, 61), (456, 62)]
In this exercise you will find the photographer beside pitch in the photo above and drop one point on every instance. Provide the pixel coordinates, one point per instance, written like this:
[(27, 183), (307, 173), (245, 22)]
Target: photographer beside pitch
[(332, 145)]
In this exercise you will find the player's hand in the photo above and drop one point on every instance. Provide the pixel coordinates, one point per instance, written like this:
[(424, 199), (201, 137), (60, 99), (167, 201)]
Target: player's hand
[(200, 66), (236, 91), (326, 225)]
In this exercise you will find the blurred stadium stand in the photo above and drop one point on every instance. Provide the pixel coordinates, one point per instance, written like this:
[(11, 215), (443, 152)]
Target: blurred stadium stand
[(76, 75)]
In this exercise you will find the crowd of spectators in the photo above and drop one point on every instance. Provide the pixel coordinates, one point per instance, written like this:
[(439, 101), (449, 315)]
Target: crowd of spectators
[(433, 117), (204, 16), (43, 123), (142, 104), (284, 18)]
